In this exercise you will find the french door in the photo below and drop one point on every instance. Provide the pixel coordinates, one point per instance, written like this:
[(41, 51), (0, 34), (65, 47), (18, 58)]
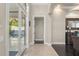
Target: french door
[(17, 27)]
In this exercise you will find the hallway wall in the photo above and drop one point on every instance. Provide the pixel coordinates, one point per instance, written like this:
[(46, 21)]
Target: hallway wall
[(41, 10), (2, 29), (30, 28), (58, 26)]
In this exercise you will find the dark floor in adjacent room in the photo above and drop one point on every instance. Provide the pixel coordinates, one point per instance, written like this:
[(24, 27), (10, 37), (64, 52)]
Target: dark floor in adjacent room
[(62, 51)]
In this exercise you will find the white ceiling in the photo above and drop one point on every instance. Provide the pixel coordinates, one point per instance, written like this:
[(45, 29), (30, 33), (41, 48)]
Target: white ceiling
[(39, 3), (66, 6)]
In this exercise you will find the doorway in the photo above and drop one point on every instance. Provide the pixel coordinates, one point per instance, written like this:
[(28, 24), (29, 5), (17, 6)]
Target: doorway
[(17, 29), (39, 33)]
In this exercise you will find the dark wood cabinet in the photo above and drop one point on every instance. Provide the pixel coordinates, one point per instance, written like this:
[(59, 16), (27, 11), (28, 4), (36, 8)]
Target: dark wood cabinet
[(72, 33), (71, 26)]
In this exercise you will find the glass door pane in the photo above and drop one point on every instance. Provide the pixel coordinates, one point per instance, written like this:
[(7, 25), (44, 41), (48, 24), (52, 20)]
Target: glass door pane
[(77, 24), (13, 30), (23, 40)]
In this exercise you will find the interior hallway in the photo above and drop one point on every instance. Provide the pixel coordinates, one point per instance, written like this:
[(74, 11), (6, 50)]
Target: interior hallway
[(40, 50)]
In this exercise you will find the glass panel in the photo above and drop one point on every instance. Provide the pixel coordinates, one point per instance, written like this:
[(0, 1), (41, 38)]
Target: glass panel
[(77, 24), (72, 24), (23, 31), (13, 30)]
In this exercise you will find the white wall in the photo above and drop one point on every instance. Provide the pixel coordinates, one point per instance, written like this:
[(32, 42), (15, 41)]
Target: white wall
[(30, 28), (58, 26), (2, 29), (41, 10)]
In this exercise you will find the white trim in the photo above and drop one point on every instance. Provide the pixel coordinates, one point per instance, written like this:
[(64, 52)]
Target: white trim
[(39, 39), (34, 25), (7, 30), (44, 29), (31, 43), (58, 43), (27, 26), (49, 44)]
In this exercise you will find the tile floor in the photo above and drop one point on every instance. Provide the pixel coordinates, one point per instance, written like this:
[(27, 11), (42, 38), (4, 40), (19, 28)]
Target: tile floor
[(40, 50)]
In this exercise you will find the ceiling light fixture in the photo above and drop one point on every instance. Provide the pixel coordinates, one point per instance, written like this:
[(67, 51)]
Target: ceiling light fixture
[(57, 9)]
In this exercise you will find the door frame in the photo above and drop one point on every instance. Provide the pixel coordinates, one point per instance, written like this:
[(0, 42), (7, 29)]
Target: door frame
[(33, 36)]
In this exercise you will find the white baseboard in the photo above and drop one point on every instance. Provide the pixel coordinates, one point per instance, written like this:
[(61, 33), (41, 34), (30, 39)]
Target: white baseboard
[(39, 39), (31, 43), (58, 43), (49, 44)]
